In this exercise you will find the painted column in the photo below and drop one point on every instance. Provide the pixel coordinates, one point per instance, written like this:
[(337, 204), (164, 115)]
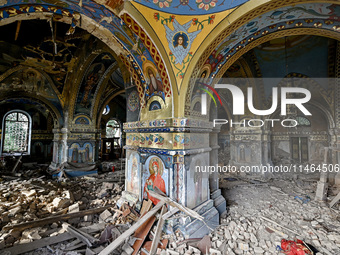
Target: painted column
[(213, 142), (172, 154)]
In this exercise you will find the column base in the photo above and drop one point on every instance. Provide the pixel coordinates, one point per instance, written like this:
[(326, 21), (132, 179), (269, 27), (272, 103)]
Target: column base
[(321, 191), (219, 201), (193, 228)]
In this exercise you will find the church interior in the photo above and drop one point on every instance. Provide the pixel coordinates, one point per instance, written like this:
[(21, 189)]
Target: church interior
[(118, 135)]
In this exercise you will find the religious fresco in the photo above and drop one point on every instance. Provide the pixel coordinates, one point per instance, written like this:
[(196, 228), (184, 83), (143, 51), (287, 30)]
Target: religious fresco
[(29, 80), (154, 175), (92, 78), (82, 120), (154, 84), (41, 57), (299, 51), (37, 148), (303, 15), (180, 36), (80, 154), (128, 40), (133, 104), (193, 7), (133, 173)]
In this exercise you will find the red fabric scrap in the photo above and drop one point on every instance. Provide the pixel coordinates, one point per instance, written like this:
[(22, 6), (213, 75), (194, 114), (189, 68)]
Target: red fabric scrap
[(294, 248)]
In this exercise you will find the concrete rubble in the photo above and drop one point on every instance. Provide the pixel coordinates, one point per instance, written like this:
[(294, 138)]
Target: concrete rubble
[(260, 214), (243, 231), (29, 200)]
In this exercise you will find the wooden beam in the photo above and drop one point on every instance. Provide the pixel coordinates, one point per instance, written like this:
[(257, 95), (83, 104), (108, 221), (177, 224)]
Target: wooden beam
[(334, 201), (182, 208), (22, 248), (49, 220), (131, 230), (17, 30), (80, 235), (170, 213), (158, 233)]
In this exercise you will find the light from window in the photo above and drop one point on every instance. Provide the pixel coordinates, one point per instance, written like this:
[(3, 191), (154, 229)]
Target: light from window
[(16, 133), (106, 110), (302, 121), (112, 129)]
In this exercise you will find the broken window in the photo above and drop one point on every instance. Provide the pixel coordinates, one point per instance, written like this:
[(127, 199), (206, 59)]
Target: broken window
[(113, 131), (16, 135)]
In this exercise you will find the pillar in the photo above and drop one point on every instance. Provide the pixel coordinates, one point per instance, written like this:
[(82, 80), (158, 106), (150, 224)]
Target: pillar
[(215, 193), (179, 150)]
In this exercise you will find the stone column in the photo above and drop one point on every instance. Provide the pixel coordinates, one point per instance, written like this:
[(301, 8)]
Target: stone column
[(64, 145), (178, 150), (59, 147), (215, 193), (213, 143)]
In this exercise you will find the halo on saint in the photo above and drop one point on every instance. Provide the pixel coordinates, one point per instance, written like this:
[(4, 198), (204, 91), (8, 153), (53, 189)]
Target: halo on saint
[(156, 162)]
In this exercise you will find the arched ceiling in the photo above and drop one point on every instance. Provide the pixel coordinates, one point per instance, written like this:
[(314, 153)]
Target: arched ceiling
[(145, 34), (128, 43)]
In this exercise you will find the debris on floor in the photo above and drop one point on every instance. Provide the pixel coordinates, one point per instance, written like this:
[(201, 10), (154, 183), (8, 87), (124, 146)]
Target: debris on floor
[(87, 215), (34, 209)]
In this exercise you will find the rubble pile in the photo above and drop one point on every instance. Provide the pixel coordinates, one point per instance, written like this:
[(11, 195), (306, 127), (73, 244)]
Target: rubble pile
[(93, 215), (260, 216), (34, 199)]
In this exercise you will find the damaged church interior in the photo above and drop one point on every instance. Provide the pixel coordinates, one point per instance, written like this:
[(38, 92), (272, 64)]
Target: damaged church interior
[(170, 127)]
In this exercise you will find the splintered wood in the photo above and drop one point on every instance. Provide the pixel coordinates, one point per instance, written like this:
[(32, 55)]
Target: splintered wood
[(127, 229)]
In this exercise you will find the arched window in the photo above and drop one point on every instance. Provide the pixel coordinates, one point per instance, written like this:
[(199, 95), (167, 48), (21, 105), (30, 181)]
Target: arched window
[(16, 133), (113, 129), (302, 121)]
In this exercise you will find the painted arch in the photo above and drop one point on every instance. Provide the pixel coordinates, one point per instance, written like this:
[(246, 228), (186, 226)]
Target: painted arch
[(102, 23), (256, 26)]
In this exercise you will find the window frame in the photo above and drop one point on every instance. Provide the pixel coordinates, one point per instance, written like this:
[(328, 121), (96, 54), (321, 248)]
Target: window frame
[(3, 133)]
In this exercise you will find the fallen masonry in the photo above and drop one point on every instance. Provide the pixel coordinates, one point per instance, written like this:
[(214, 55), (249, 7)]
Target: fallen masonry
[(88, 215)]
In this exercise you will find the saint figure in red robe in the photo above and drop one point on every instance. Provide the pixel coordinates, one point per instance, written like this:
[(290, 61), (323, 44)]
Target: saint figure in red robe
[(154, 180)]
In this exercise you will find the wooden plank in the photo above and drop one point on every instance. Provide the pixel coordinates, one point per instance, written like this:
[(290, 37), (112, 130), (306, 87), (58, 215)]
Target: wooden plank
[(49, 220), (158, 233), (182, 208), (17, 30), (112, 246), (22, 248), (147, 246), (80, 235), (170, 213), (141, 234), (271, 221), (334, 201), (147, 205)]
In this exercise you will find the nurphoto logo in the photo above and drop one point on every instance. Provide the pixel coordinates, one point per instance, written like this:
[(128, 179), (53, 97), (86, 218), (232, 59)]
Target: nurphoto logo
[(289, 96)]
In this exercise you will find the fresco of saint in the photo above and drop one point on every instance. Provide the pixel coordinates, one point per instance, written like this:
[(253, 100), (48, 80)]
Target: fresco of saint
[(155, 180)]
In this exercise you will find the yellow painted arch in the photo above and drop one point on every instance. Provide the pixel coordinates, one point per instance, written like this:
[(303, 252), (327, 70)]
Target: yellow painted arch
[(228, 25)]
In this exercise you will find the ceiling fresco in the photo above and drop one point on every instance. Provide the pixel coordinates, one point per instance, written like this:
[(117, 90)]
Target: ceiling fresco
[(34, 46), (135, 49), (191, 7), (313, 15)]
